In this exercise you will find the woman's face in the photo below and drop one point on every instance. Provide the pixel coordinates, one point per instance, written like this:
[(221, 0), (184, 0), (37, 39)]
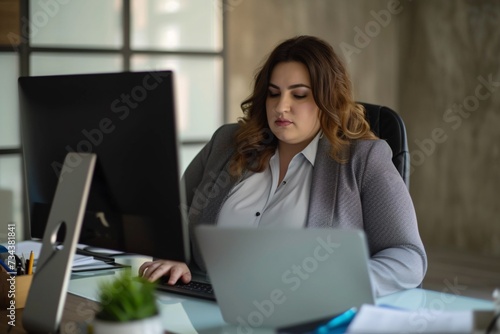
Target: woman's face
[(292, 113)]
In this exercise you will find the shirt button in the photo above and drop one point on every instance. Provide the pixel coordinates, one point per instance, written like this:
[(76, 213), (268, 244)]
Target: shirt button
[(257, 214)]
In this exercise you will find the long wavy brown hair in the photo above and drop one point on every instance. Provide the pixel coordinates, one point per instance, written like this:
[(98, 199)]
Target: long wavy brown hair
[(342, 120)]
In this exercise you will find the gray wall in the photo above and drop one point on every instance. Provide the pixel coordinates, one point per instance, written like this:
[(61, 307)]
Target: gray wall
[(427, 59)]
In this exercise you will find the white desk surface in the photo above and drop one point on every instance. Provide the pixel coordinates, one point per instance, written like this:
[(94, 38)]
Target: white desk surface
[(190, 315)]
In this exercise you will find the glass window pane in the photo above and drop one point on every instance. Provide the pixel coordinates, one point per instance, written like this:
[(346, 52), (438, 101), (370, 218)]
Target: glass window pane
[(10, 195), (198, 89), (89, 23), (187, 154), (9, 114), (176, 25), (57, 63)]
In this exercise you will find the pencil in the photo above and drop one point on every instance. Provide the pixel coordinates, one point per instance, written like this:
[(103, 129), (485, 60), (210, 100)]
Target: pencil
[(30, 263)]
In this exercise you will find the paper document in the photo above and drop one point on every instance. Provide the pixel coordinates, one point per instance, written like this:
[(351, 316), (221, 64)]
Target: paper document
[(80, 262), (378, 319), (25, 247)]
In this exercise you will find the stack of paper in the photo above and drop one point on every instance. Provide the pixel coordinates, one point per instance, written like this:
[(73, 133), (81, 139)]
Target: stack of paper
[(80, 262)]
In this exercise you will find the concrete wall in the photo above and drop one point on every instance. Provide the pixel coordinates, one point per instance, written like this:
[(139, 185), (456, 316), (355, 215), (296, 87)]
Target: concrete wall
[(451, 49), (423, 58), (255, 27)]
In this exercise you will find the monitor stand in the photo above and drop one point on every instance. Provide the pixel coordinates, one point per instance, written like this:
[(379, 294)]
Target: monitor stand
[(47, 294)]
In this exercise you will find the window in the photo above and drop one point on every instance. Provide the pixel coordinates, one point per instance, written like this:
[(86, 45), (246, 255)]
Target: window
[(68, 37)]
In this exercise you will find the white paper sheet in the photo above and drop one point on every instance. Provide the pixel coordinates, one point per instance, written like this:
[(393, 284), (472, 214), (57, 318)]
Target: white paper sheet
[(25, 247), (376, 319)]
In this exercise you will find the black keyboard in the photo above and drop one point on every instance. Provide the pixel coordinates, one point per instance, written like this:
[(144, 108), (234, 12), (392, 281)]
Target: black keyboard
[(192, 289)]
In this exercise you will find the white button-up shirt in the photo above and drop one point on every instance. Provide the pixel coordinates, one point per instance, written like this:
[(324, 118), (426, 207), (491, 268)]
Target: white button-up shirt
[(258, 200)]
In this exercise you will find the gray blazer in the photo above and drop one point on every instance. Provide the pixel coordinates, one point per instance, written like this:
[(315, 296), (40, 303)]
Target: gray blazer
[(365, 193)]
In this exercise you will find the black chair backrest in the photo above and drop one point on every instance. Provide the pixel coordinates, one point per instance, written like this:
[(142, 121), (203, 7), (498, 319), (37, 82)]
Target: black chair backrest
[(389, 126)]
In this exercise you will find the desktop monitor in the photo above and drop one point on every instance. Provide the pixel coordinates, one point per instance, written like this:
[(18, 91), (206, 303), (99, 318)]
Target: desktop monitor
[(127, 119)]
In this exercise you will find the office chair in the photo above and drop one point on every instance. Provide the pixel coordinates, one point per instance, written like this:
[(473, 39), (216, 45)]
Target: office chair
[(389, 126)]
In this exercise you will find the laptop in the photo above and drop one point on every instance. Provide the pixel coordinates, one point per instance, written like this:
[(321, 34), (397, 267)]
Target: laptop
[(266, 277)]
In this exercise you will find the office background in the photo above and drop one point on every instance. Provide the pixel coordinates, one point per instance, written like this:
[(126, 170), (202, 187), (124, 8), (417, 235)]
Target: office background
[(433, 61)]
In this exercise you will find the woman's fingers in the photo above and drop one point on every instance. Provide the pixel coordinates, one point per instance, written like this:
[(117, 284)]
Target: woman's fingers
[(179, 271), (143, 268), (153, 270)]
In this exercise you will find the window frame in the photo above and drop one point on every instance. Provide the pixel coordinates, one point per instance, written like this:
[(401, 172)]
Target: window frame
[(25, 50)]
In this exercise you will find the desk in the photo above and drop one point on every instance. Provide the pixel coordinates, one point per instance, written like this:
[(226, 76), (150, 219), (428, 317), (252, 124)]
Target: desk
[(181, 314), (189, 315)]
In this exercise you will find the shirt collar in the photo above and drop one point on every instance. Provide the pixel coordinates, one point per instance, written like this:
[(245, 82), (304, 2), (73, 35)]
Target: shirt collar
[(310, 151)]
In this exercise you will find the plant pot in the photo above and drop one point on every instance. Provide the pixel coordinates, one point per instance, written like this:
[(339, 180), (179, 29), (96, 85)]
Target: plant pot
[(150, 325)]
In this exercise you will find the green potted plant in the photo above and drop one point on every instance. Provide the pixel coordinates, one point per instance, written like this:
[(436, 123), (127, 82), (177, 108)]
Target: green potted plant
[(127, 305)]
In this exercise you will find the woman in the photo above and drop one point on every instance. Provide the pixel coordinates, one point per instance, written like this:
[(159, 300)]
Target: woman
[(303, 156)]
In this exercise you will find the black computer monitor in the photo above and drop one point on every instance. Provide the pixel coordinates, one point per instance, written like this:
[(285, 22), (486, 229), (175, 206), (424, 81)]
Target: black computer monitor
[(127, 119)]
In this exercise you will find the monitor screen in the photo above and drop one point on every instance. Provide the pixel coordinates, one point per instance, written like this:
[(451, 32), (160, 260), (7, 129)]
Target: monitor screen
[(127, 119)]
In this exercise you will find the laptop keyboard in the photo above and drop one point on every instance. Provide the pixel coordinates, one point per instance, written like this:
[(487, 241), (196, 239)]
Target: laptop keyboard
[(192, 289)]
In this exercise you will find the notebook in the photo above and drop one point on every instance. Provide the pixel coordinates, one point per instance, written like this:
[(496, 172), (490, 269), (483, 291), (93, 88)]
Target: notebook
[(265, 277)]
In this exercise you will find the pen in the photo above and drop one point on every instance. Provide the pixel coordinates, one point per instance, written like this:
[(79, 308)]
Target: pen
[(337, 324), (30, 263), (95, 255), (23, 262), (19, 265)]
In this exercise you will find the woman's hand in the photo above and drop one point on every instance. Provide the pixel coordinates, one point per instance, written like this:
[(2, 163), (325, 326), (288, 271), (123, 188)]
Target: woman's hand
[(153, 270)]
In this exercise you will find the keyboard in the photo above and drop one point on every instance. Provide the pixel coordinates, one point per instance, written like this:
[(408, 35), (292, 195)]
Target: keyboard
[(192, 289)]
